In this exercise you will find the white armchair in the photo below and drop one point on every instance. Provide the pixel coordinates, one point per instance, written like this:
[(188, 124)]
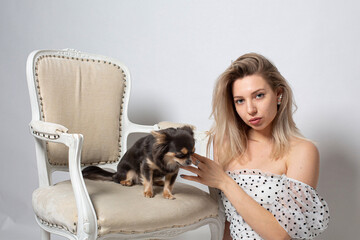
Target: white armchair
[(80, 100)]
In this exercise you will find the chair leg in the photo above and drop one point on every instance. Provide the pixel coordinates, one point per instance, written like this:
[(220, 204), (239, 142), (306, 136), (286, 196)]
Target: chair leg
[(45, 235), (216, 233)]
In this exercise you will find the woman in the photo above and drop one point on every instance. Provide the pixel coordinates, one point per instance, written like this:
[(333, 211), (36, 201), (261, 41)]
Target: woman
[(266, 170)]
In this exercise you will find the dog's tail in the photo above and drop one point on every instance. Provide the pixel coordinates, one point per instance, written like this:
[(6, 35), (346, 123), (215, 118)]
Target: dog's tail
[(97, 173)]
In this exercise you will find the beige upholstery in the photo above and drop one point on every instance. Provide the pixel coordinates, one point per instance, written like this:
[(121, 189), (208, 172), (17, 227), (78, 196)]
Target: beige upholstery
[(124, 209), (84, 95), (80, 117)]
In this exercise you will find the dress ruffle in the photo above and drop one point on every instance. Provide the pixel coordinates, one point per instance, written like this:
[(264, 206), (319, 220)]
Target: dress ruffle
[(297, 206)]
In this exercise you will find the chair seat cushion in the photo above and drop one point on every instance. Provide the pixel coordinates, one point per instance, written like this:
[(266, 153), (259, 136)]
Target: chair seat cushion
[(122, 209)]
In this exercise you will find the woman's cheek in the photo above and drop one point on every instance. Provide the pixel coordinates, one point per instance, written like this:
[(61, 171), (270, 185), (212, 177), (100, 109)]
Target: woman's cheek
[(241, 115)]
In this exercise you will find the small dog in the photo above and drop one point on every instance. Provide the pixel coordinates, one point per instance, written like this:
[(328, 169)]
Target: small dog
[(150, 159)]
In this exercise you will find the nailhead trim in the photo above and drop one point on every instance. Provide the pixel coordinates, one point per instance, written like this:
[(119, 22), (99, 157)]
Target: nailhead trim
[(121, 110), (48, 136), (61, 227), (42, 115)]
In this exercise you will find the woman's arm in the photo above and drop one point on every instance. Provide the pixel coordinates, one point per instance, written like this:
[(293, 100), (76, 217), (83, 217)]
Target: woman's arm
[(262, 221), (257, 217)]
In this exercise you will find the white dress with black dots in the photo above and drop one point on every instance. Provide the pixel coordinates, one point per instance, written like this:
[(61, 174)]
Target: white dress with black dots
[(297, 206)]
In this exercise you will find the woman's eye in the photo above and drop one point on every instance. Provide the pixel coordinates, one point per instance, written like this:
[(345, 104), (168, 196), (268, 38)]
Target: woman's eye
[(260, 95), (239, 101)]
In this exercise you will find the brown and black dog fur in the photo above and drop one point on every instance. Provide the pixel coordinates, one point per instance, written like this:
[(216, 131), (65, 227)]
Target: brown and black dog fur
[(150, 159)]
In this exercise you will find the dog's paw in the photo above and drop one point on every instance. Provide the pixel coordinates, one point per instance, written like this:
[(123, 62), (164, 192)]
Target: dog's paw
[(126, 183), (148, 194), (168, 195)]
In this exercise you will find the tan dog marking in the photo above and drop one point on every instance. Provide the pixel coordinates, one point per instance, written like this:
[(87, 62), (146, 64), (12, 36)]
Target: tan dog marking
[(152, 165), (184, 151), (160, 137), (159, 182), (167, 194), (167, 187), (126, 183), (130, 178), (169, 158), (148, 187)]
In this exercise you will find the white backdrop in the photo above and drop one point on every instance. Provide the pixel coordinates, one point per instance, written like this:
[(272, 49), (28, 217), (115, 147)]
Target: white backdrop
[(175, 51)]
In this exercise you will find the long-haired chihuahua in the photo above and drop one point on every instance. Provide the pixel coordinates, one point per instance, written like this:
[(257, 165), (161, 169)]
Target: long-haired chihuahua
[(150, 160)]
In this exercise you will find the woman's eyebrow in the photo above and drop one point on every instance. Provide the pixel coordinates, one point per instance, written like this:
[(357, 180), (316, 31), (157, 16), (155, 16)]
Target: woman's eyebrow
[(253, 93), (261, 89)]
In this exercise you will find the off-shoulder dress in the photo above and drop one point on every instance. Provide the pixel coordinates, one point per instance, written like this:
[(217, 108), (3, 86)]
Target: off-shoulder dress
[(297, 206)]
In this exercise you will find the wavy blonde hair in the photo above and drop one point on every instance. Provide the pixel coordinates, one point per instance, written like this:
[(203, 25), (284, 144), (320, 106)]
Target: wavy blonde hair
[(229, 131)]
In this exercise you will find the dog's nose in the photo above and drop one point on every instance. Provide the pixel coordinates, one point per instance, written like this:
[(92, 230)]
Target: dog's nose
[(188, 162)]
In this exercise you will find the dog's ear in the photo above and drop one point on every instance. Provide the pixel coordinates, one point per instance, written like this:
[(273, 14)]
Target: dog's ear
[(161, 146), (190, 129), (160, 136)]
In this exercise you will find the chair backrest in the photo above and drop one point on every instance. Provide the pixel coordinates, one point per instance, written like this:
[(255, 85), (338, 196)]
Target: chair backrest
[(86, 93)]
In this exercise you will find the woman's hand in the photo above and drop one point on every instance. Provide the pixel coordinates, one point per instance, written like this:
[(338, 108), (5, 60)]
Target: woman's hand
[(208, 172)]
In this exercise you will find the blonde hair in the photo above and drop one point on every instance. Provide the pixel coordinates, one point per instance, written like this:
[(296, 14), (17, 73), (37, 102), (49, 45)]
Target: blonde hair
[(229, 131)]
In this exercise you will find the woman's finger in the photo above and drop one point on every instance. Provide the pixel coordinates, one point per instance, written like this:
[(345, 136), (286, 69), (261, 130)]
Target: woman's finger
[(191, 169), (194, 161), (199, 157), (190, 178)]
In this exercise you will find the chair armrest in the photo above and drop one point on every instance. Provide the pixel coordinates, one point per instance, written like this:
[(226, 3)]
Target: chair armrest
[(46, 130), (138, 128), (87, 223)]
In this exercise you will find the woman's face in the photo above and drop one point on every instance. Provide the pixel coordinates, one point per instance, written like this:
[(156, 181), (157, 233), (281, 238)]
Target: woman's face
[(255, 102)]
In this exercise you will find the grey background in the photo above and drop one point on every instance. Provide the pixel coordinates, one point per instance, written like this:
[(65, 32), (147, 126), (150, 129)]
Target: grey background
[(175, 50)]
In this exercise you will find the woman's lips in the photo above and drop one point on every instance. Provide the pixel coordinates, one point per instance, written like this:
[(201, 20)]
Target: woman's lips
[(255, 121)]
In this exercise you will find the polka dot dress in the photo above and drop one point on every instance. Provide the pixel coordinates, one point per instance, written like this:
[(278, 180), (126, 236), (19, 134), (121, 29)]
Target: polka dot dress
[(297, 206)]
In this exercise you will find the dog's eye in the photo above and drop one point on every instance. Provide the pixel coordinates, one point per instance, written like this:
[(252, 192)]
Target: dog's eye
[(180, 155)]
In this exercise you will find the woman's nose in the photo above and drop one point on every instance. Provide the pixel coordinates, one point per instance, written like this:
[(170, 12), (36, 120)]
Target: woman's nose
[(251, 108)]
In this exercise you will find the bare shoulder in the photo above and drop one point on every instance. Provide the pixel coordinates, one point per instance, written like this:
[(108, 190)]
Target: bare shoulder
[(303, 162), (300, 146)]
